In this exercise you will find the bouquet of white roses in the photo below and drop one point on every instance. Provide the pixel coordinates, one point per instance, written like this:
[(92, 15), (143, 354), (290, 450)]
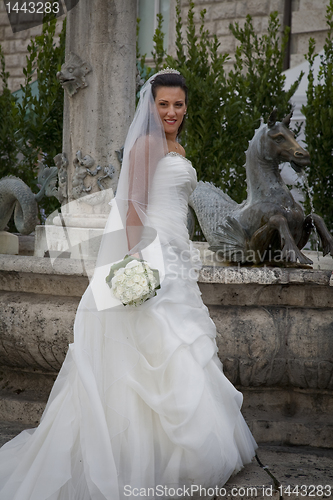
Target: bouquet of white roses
[(132, 281)]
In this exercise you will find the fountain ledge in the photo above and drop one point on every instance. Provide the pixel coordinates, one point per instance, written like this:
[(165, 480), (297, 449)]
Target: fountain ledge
[(274, 337), (211, 273)]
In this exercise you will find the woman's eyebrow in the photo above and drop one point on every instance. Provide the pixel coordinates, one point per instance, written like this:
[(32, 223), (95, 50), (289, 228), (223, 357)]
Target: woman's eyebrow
[(166, 100)]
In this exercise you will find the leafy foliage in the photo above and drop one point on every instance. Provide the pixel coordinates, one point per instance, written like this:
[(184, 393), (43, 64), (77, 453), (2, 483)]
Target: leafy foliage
[(8, 113), (158, 39), (258, 68), (225, 109), (34, 122), (318, 126)]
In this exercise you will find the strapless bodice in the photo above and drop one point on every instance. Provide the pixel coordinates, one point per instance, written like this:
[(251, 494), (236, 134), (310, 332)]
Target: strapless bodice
[(174, 180)]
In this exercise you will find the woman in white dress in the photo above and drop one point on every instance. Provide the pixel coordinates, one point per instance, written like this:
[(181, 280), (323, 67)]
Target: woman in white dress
[(141, 406)]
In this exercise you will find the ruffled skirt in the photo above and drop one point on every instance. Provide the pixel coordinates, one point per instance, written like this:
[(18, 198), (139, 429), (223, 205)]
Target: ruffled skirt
[(141, 407)]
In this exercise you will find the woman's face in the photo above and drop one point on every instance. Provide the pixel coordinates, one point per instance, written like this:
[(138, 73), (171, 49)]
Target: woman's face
[(170, 102)]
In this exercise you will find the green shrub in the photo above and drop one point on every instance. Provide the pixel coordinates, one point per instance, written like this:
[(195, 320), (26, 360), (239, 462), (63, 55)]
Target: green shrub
[(31, 126), (318, 126), (8, 113), (225, 109)]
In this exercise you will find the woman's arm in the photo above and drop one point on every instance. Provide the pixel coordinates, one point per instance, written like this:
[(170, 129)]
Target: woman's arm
[(137, 192)]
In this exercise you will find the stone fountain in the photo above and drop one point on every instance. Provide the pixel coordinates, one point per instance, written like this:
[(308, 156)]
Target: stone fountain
[(274, 325)]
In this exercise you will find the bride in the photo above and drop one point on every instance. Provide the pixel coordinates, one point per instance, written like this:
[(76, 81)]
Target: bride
[(141, 406)]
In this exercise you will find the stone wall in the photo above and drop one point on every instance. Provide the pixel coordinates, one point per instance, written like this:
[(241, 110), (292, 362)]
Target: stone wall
[(308, 19)]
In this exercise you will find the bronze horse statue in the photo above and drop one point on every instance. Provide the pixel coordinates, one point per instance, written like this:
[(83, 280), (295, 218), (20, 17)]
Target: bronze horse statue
[(269, 224)]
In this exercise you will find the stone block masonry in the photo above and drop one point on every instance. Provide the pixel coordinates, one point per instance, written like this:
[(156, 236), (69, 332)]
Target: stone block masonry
[(308, 19)]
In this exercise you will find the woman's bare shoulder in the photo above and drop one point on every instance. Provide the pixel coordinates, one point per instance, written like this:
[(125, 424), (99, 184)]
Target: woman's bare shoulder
[(182, 150)]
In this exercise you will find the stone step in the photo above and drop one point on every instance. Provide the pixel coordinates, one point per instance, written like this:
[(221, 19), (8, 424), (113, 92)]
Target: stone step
[(302, 472), (22, 409), (267, 428), (292, 431)]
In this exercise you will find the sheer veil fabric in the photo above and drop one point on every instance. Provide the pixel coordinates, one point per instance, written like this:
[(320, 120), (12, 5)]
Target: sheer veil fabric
[(141, 407)]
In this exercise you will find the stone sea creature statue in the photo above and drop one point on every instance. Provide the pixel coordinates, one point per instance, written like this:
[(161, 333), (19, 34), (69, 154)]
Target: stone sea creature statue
[(17, 197), (269, 224), (72, 74)]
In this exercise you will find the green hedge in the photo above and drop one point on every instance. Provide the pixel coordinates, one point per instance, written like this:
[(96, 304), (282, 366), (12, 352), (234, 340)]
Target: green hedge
[(226, 108), (319, 126), (31, 124)]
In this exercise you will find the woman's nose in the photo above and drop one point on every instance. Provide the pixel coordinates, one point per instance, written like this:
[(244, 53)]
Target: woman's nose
[(171, 111)]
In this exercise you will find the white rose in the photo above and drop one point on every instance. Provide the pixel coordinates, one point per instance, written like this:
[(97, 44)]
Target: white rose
[(128, 295), (143, 281), (137, 289)]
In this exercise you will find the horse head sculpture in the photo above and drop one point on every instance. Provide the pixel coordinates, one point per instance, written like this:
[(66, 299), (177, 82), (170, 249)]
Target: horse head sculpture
[(269, 224)]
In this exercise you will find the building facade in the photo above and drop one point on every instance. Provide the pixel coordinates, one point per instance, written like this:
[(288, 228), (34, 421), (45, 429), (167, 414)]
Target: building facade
[(305, 17)]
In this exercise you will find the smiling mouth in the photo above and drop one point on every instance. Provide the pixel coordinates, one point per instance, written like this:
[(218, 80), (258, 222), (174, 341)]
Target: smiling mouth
[(171, 121)]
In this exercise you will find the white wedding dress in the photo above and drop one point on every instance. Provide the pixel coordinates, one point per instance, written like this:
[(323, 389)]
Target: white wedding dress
[(141, 400)]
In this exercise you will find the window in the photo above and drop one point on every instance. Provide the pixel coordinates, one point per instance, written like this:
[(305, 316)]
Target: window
[(147, 12)]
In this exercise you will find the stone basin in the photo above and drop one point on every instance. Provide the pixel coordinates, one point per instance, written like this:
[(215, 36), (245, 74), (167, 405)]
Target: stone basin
[(274, 336)]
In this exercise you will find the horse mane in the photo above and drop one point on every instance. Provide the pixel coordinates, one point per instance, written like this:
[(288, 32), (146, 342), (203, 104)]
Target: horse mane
[(256, 133)]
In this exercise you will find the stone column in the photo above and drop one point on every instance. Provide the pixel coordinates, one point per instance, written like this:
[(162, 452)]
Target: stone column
[(99, 85)]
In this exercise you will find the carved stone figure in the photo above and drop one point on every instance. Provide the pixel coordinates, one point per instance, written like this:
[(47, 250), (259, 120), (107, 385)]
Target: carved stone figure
[(269, 224), (82, 169), (120, 154), (72, 74), (47, 181), (61, 163), (109, 172), (17, 197)]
